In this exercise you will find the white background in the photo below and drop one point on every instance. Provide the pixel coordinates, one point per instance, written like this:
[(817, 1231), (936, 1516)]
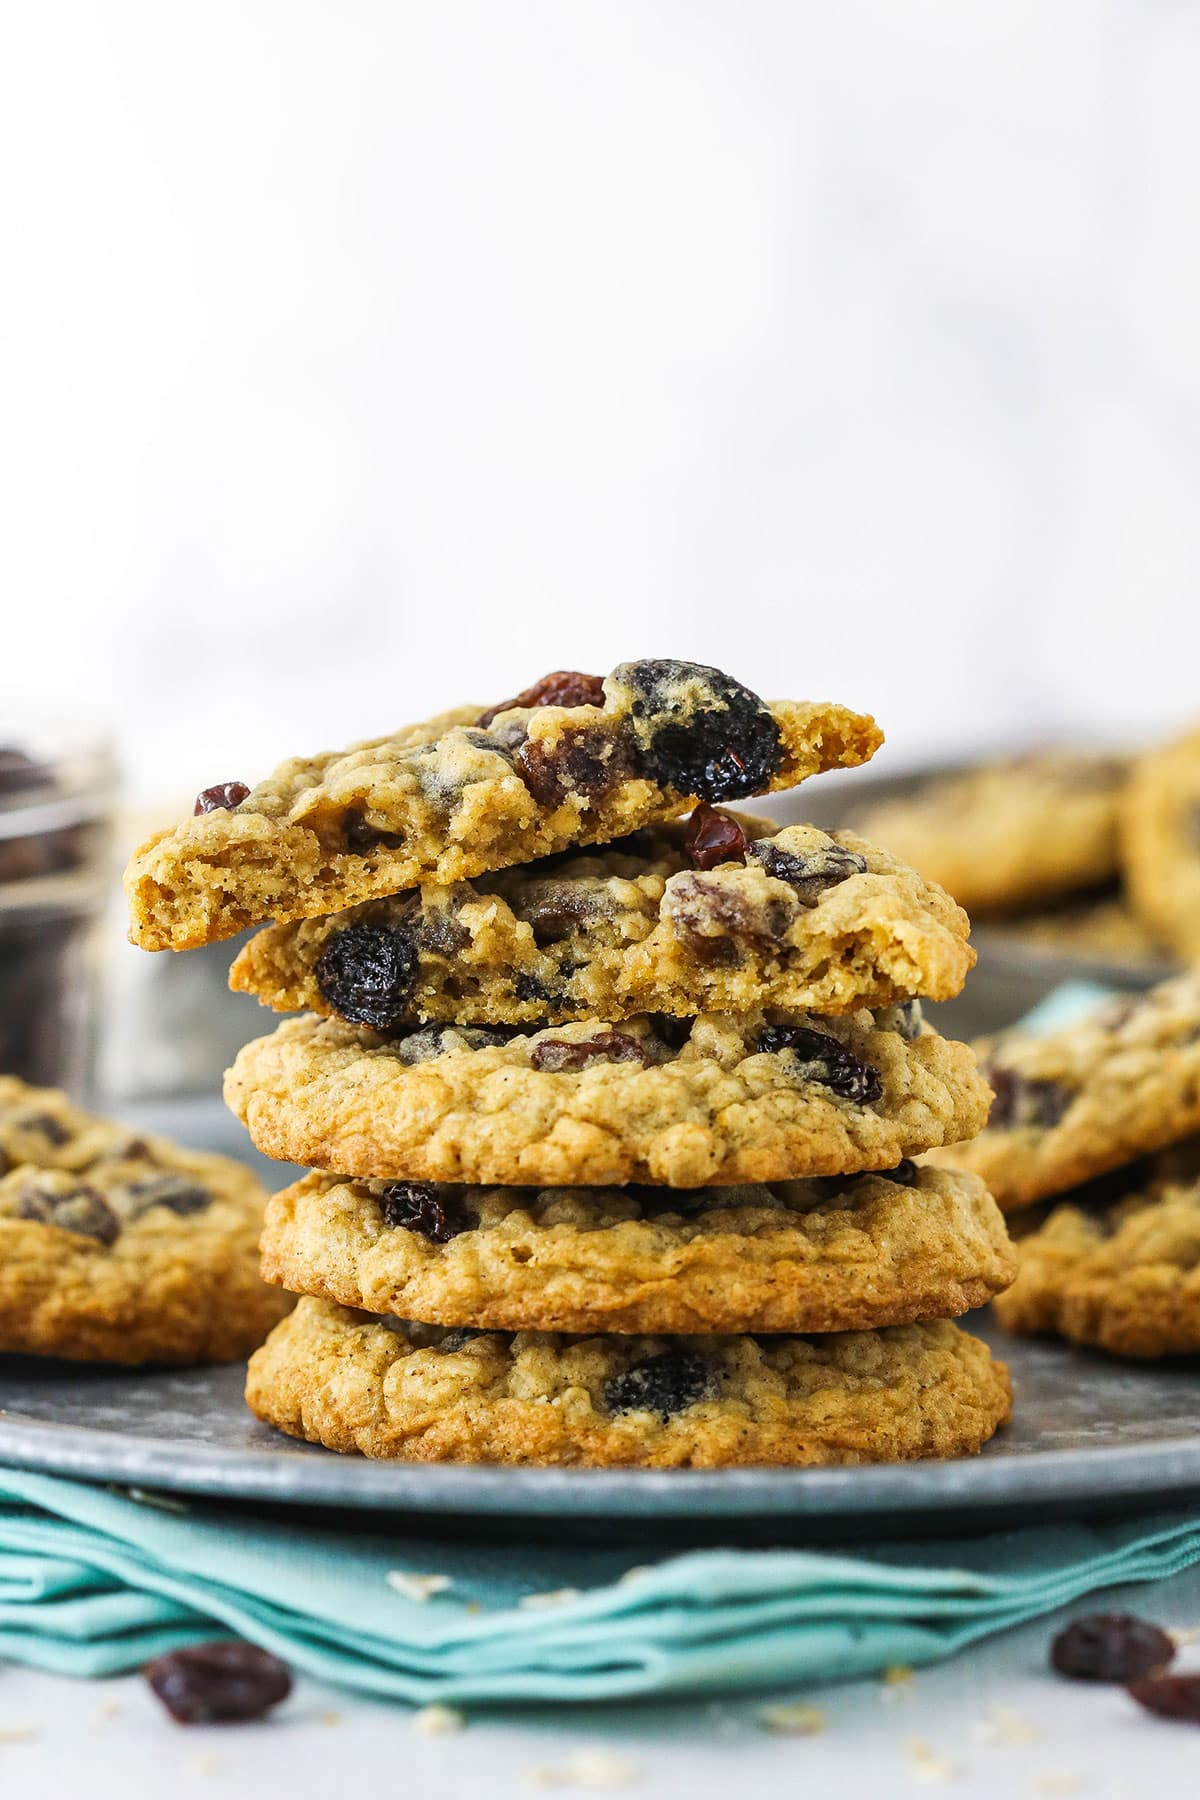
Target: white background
[(357, 358)]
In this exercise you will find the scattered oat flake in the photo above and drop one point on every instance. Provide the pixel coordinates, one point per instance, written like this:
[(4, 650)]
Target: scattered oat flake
[(417, 1587), (586, 1769), (438, 1721), (1060, 1781), (329, 1718), (1004, 1725), (17, 1734), (926, 1765), (799, 1718), (108, 1709), (552, 1597), (151, 1497), (204, 1765)]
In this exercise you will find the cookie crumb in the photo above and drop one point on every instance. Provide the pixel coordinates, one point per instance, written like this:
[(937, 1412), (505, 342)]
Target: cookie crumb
[(925, 1764), (1181, 1635), (1056, 1782), (417, 1587), (329, 1718), (896, 1683), (17, 1734), (586, 1769), (438, 1721), (108, 1709), (1004, 1725), (204, 1765), (799, 1718), (552, 1597)]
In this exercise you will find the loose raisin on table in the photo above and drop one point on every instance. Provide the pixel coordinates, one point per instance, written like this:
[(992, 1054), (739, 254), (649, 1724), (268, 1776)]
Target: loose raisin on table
[(221, 798), (712, 837), (436, 1213), (823, 1059), (1110, 1647), (1022, 1103), (810, 872), (367, 974), (219, 1684), (1171, 1696), (558, 1055), (563, 687), (663, 1384), (699, 731)]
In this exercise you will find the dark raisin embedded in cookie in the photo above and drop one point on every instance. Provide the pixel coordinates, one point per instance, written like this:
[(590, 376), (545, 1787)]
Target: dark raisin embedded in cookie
[(361, 838), (178, 1193), (589, 764), (367, 974), (662, 1384), (219, 1684), (699, 731), (1110, 1647), (559, 1055), (458, 1338), (563, 687), (431, 1041), (80, 1209), (823, 1059), (1022, 1104), (905, 1018), (221, 798), (434, 1212), (812, 872), (712, 837), (45, 1124), (710, 915)]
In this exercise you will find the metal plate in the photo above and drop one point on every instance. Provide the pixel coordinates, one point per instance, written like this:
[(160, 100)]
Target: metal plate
[(1088, 1434)]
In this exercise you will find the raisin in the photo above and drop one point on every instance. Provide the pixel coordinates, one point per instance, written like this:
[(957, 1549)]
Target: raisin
[(532, 987), (812, 872), (177, 1193), (431, 1041), (712, 837), (436, 1213), (824, 1060), (219, 1684), (565, 687), (554, 910), (710, 913), (905, 1018), (662, 1384), (905, 1174), (367, 974), (361, 839), (587, 763), (1110, 1647), (1171, 1696), (221, 798), (458, 1338), (673, 1032), (81, 1209), (46, 1125), (1024, 1104), (700, 732), (558, 1055)]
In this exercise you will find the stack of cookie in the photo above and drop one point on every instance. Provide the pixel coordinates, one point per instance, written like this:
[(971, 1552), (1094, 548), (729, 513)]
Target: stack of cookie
[(610, 1149), (1094, 1142)]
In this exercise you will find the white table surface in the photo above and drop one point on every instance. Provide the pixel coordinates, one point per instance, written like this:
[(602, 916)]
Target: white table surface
[(997, 1724)]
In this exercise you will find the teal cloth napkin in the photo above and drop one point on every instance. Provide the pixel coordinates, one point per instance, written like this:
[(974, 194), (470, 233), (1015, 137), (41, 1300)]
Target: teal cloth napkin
[(93, 1582)]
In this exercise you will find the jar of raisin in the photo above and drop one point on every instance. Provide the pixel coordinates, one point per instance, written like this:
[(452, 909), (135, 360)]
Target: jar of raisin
[(57, 795)]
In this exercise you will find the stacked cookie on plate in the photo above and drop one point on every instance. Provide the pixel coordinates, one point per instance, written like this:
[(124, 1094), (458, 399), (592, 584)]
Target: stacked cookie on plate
[(609, 1114), (1094, 1144)]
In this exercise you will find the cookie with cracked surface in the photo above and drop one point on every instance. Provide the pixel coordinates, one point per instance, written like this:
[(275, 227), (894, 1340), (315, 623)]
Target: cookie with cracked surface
[(1005, 835), (572, 760), (1160, 844), (1116, 1265), (674, 1103), (848, 1254), (794, 919), (1110, 1087), (117, 1247), (388, 1389)]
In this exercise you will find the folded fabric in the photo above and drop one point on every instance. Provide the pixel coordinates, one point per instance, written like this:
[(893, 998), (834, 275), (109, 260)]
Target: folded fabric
[(94, 1581)]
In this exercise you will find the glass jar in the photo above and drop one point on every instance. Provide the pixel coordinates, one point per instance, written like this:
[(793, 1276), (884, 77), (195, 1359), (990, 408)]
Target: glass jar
[(57, 795)]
